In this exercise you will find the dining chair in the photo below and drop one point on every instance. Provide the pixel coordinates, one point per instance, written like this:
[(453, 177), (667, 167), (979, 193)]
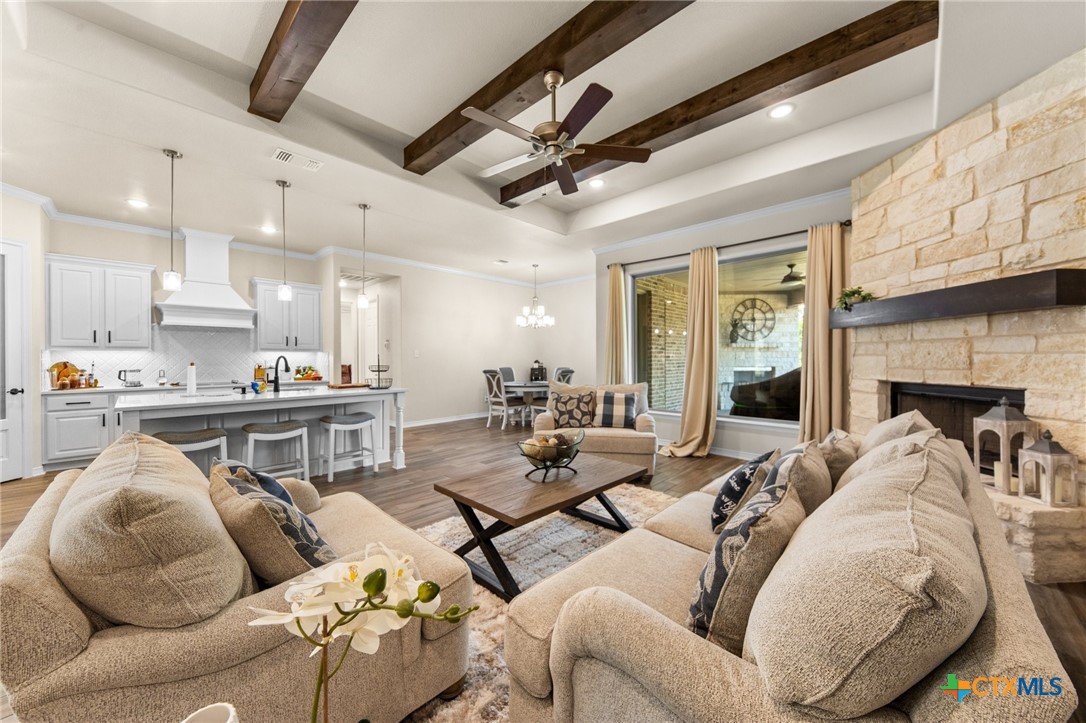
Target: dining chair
[(563, 374), (498, 401)]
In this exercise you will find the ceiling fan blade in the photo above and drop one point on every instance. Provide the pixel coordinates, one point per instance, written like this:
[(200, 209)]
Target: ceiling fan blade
[(506, 165), (564, 175), (503, 125), (585, 109), (616, 153)]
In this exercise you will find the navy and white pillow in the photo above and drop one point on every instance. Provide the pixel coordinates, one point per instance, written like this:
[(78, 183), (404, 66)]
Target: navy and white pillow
[(736, 485), (615, 409), (748, 547), (277, 540), (258, 479), (572, 410)]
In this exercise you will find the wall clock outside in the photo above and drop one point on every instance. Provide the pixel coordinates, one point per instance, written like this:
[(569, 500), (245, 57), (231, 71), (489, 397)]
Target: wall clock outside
[(753, 319)]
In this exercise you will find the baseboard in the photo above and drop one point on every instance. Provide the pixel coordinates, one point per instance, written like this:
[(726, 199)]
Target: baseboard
[(37, 471), (444, 420), (724, 452)]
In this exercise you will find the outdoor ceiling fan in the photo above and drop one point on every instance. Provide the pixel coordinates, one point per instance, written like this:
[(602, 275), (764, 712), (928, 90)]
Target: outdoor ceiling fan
[(556, 141), (793, 276)]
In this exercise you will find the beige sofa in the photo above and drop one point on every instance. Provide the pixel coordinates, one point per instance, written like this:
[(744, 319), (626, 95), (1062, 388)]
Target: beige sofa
[(61, 662), (606, 638), (635, 446)]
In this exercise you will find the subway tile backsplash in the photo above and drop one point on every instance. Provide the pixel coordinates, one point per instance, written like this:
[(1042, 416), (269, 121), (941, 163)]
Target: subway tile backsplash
[(220, 354)]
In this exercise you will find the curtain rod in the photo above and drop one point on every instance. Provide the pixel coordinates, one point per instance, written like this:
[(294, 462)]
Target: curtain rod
[(846, 222)]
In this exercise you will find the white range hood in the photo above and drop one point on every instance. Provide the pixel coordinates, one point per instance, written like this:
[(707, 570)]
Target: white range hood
[(206, 297)]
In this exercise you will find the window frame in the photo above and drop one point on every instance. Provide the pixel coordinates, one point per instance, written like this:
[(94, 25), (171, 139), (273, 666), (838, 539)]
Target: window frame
[(724, 254)]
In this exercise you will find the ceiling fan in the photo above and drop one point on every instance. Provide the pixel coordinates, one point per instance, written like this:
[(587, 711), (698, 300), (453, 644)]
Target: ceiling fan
[(793, 276), (556, 141)]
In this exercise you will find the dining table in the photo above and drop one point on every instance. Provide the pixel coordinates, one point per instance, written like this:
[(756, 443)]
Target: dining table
[(528, 389)]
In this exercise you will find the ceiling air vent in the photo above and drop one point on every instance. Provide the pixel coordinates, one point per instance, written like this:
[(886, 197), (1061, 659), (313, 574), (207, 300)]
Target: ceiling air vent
[(293, 159)]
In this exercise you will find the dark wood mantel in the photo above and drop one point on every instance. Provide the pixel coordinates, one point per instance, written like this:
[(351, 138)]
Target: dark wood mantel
[(1026, 292)]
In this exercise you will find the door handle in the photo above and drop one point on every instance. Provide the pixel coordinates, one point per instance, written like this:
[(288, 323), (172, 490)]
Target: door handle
[(72, 404), (118, 419), (103, 420), (109, 337), (295, 341), (286, 341), (95, 336), (13, 391)]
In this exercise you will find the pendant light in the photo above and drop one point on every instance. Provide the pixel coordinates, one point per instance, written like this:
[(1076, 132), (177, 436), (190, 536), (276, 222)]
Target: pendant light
[(363, 300), (285, 293), (535, 316), (171, 280)]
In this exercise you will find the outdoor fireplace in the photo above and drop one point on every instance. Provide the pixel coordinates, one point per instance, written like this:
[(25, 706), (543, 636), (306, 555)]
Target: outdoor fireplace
[(953, 409)]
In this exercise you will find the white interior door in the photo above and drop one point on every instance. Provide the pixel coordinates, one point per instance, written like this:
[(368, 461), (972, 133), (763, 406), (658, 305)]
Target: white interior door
[(13, 381)]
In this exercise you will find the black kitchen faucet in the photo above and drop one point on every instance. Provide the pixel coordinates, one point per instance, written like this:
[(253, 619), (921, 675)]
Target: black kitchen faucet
[(286, 368)]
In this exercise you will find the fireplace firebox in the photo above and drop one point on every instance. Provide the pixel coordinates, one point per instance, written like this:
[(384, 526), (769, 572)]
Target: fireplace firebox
[(953, 408)]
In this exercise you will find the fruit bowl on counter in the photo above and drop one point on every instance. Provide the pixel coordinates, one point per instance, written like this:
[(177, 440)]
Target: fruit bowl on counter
[(379, 382), (551, 451), (307, 374)]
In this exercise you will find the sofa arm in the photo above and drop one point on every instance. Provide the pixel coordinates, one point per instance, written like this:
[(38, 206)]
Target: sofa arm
[(544, 422), (305, 495), (691, 677), (645, 423)]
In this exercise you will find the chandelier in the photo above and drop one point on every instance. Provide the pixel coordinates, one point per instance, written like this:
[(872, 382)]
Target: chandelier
[(534, 316)]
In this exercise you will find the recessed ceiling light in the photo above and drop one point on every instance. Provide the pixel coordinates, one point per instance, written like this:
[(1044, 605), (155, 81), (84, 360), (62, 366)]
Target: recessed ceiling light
[(596, 183), (343, 283), (137, 203), (500, 262), (782, 110), (267, 228)]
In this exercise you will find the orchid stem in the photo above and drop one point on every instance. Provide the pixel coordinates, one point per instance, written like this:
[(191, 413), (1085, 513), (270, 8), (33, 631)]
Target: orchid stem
[(324, 669), (342, 657)]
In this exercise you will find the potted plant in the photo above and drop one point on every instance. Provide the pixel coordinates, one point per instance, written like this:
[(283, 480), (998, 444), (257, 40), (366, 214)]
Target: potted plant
[(852, 296)]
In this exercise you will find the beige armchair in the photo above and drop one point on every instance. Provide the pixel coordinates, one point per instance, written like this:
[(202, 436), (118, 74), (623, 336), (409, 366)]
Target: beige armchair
[(62, 662), (634, 446)]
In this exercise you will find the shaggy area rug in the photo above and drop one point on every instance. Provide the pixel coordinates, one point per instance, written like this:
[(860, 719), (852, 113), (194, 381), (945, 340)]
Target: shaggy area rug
[(532, 552)]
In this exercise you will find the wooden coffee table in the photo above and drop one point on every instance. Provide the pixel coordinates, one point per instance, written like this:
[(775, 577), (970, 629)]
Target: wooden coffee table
[(504, 493)]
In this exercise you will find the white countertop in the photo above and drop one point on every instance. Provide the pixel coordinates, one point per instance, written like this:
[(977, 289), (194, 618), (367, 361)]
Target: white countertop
[(171, 400), (174, 390)]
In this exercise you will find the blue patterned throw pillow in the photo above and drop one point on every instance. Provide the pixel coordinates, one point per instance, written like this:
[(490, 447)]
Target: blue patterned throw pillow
[(259, 479), (745, 552), (277, 540), (738, 482), (614, 409)]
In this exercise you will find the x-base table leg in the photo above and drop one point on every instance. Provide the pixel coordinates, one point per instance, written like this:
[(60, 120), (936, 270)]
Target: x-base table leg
[(498, 579), (617, 521)]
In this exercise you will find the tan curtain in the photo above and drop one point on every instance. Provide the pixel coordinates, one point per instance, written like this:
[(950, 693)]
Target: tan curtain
[(823, 386), (615, 371), (699, 393)]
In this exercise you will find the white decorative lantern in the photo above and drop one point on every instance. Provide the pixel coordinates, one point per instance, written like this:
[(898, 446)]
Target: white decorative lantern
[(1006, 422), (1048, 458)]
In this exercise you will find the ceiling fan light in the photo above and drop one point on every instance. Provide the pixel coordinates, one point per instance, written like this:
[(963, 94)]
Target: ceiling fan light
[(343, 283), (171, 280)]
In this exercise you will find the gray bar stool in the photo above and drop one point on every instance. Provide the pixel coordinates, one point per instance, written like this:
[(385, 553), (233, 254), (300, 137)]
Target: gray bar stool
[(196, 440), (359, 422), (275, 432)]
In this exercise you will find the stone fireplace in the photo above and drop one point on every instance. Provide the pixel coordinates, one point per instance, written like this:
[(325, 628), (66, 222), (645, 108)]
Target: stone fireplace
[(997, 194)]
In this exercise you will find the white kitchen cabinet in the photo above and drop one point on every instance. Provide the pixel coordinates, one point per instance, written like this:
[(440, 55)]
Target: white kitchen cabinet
[(77, 434), (95, 304), (286, 325)]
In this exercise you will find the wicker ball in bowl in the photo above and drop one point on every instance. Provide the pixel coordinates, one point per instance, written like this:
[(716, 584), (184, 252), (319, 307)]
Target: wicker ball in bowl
[(556, 449)]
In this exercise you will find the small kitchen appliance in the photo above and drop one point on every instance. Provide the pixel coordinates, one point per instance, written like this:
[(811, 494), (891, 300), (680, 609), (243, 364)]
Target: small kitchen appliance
[(128, 377)]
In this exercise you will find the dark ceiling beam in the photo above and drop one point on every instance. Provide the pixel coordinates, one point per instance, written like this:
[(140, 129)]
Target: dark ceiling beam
[(587, 38), (870, 40), (305, 31)]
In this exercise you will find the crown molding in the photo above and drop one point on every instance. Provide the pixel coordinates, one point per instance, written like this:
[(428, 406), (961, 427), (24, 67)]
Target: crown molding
[(800, 203)]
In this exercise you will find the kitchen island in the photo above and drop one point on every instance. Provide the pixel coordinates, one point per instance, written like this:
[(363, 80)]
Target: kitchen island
[(171, 412)]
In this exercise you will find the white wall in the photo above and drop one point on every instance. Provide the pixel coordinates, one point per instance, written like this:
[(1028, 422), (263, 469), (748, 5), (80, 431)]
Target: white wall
[(734, 436), (571, 342)]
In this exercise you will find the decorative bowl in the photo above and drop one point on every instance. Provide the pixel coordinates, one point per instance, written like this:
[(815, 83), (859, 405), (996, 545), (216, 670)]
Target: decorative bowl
[(546, 456), (379, 383)]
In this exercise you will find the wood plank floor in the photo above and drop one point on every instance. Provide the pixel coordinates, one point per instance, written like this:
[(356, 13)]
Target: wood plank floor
[(440, 452)]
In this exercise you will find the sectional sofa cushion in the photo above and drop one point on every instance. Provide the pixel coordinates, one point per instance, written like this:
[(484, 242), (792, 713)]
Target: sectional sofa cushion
[(894, 428), (747, 548), (137, 539), (840, 450), (615, 409), (573, 410), (278, 541), (737, 482), (802, 467), (888, 452), (878, 586)]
